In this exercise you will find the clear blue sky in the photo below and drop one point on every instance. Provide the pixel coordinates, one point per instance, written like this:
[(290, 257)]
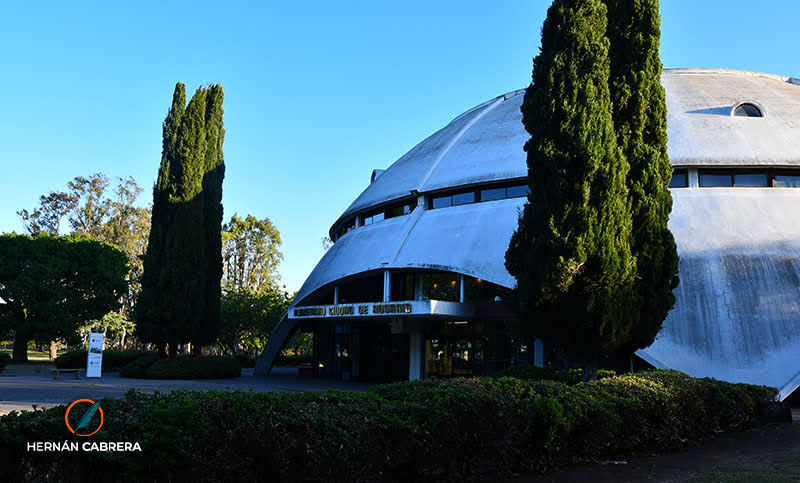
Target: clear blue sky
[(317, 94)]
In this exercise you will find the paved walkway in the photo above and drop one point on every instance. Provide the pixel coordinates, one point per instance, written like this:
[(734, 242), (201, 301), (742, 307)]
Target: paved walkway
[(22, 391), (769, 453)]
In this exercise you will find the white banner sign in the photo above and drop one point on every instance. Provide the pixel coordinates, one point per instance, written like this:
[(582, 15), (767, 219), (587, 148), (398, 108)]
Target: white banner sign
[(95, 359)]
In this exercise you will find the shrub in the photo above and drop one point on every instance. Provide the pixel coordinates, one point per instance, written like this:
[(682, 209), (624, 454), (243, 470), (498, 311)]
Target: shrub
[(195, 367), (112, 359), (74, 359), (138, 367), (4, 360), (245, 360), (566, 376), (455, 428)]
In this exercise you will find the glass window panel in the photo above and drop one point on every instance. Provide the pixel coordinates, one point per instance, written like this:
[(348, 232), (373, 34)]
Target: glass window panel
[(367, 220), (464, 198), (747, 110), (709, 180), (679, 180), (368, 289), (395, 211), (787, 181), (440, 286), (377, 217), (408, 209), (493, 194), (750, 179), (441, 202), (518, 191)]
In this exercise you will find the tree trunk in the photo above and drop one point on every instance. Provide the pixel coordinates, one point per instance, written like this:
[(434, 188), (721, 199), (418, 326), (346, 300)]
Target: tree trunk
[(173, 350), (20, 351), (630, 363), (122, 339), (590, 366), (54, 349)]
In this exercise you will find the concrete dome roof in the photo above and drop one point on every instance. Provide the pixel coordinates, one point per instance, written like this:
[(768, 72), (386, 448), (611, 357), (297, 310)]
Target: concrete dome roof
[(738, 302), (485, 143)]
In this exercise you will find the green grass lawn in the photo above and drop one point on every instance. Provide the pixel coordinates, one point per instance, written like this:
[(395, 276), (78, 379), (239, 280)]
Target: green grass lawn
[(35, 358), (33, 355)]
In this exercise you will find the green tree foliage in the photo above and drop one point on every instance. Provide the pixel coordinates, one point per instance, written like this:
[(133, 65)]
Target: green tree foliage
[(251, 253), (94, 211), (206, 330), (183, 264), (248, 319), (570, 254), (114, 325), (51, 285), (640, 117)]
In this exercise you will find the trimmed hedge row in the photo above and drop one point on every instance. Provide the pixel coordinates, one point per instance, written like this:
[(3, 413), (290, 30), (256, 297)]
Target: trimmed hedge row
[(112, 359), (4, 360), (458, 428), (195, 367), (245, 360), (150, 366), (567, 376), (138, 367)]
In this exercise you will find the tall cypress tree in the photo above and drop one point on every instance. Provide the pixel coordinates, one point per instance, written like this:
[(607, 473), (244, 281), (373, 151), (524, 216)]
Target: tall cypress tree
[(207, 328), (640, 118), (177, 303), (570, 254)]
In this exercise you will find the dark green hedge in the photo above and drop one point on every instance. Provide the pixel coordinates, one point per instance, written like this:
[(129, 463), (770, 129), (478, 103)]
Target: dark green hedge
[(4, 360), (458, 428), (567, 376), (245, 360), (112, 359), (183, 367), (138, 367)]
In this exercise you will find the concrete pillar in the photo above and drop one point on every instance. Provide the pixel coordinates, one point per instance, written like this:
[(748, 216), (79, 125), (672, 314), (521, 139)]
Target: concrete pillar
[(538, 353), (358, 221), (387, 286), (461, 288), (335, 295), (415, 354), (694, 179), (417, 288)]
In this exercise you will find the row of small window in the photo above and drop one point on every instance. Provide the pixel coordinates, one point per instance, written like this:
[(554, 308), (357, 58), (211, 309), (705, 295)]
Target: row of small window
[(715, 178), (453, 198), (391, 211), (479, 195)]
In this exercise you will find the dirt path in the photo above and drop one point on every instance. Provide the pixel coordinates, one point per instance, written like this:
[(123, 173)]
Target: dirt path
[(769, 453)]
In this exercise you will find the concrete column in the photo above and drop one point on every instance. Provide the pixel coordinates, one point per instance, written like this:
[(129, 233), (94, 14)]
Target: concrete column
[(461, 288), (387, 286), (538, 353), (417, 288), (335, 295), (415, 354), (358, 221), (694, 178)]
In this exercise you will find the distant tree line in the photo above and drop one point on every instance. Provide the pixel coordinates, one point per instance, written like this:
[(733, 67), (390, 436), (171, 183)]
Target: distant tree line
[(198, 267)]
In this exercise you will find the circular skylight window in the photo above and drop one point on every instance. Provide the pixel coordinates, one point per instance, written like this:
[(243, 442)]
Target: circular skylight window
[(748, 109)]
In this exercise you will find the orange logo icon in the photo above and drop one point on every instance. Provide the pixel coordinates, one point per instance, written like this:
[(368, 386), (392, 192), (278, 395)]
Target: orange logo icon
[(83, 427)]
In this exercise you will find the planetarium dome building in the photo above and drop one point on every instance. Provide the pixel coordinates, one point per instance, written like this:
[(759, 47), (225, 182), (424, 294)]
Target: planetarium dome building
[(415, 285)]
